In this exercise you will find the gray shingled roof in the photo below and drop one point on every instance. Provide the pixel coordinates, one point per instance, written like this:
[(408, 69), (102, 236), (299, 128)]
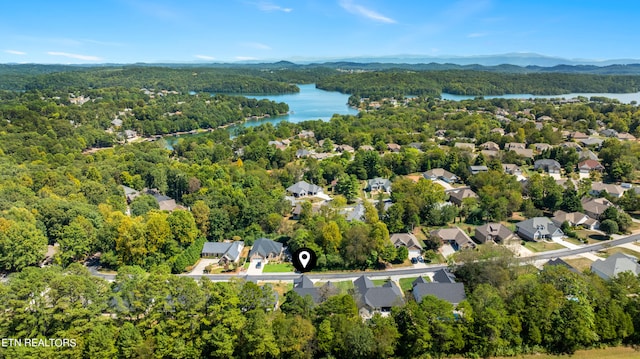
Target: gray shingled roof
[(230, 250), (303, 188), (451, 292), (265, 247), (388, 295), (616, 264), (443, 276)]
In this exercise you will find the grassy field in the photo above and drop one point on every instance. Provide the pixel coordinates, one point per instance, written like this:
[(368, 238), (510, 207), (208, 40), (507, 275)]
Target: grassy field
[(607, 252), (343, 286), (278, 268), (608, 353), (405, 283), (580, 264), (542, 246)]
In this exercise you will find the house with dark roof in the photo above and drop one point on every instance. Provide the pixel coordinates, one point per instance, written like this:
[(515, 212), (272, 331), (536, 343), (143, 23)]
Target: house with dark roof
[(303, 188), (547, 165), (440, 174), (493, 232), (511, 169), (477, 169), (130, 193), (537, 229), (444, 276), (302, 153), (379, 184), (614, 265), (560, 262), (451, 292), (372, 298), (226, 251), (407, 240), (456, 237), (595, 207), (266, 249), (456, 197), (303, 286)]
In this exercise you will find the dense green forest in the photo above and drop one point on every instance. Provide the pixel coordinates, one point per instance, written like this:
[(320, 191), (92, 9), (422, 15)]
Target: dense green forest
[(509, 310), (54, 191)]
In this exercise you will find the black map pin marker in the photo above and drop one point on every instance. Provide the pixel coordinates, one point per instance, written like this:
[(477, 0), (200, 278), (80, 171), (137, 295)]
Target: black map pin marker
[(304, 259)]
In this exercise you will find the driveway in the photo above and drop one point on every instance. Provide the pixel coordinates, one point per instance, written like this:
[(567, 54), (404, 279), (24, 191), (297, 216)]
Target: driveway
[(252, 267), (446, 250), (204, 262)]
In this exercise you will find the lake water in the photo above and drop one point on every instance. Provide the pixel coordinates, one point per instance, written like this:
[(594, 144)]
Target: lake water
[(308, 104), (622, 97)]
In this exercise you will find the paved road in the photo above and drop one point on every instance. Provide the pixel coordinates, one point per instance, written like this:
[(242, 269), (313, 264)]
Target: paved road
[(394, 272)]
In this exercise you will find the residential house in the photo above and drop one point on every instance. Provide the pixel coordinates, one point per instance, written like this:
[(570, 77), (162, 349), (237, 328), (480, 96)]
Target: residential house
[(297, 211), (490, 146), (512, 169), (477, 169), (609, 132), (116, 122), (165, 203), (456, 237), (614, 190), (304, 286), (571, 145), (490, 153), (595, 207), (440, 174), (357, 214), (266, 249), (514, 145), (589, 165), (560, 262), (379, 184), (456, 197), (596, 142), (493, 232), (444, 276), (130, 134), (302, 153), (523, 152), (547, 165), (450, 292), (407, 240), (575, 219), (372, 298), (344, 148), (303, 188), (587, 154), (465, 146), (226, 251), (393, 147), (538, 228), (577, 135), (306, 134), (614, 265), (626, 137), (497, 130), (366, 148), (130, 193), (540, 147)]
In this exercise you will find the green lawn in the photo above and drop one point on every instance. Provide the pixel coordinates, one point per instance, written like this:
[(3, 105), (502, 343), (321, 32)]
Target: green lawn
[(542, 246), (405, 283), (607, 252), (343, 286), (580, 263), (379, 282), (278, 268)]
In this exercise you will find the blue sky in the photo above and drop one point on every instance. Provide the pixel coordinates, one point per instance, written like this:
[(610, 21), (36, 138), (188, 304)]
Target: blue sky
[(128, 31)]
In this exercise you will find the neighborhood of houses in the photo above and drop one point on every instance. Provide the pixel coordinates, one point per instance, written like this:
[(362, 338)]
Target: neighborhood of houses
[(373, 296)]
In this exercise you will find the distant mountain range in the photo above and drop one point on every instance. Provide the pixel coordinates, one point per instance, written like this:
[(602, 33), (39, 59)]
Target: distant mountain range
[(516, 58), (507, 63)]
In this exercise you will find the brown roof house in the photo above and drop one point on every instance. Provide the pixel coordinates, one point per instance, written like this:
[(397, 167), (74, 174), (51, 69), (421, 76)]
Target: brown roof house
[(595, 207), (456, 197), (456, 237), (589, 165), (493, 232), (407, 240), (575, 219)]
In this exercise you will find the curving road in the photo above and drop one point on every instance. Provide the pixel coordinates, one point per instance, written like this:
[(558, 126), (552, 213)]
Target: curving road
[(560, 253)]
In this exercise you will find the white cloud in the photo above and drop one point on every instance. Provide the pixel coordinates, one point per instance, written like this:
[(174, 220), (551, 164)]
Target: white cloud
[(245, 58), (256, 45), (477, 34), (15, 52), (269, 6), (204, 57), (74, 56), (364, 12)]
